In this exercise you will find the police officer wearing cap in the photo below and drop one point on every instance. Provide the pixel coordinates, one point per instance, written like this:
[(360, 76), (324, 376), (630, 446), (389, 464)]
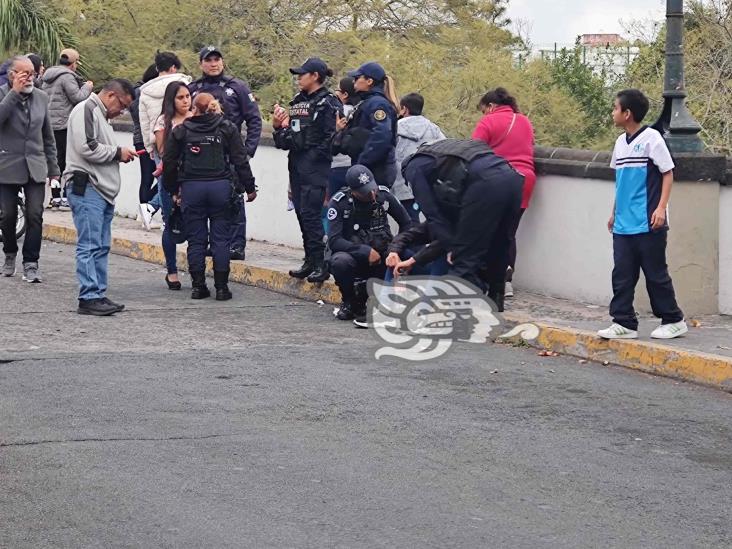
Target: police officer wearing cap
[(359, 235), (240, 107), (471, 198), (369, 135), (306, 130)]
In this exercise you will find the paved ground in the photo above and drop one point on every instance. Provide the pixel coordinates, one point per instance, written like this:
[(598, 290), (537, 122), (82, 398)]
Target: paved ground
[(263, 422)]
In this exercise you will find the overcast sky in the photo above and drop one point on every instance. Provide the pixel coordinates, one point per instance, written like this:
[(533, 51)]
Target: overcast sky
[(563, 20)]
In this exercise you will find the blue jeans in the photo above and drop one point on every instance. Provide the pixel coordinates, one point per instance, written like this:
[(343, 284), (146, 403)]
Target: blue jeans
[(438, 267), (169, 246), (93, 220)]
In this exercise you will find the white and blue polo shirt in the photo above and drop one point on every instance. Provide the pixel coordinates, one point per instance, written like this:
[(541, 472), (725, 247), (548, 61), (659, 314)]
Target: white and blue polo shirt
[(639, 161)]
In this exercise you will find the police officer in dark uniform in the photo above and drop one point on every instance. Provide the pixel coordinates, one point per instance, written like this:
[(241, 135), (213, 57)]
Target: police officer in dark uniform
[(370, 134), (359, 235), (197, 164), (471, 198), (306, 130), (240, 107)]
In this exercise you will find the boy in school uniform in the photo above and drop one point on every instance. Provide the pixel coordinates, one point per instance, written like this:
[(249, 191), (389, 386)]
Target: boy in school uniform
[(639, 225)]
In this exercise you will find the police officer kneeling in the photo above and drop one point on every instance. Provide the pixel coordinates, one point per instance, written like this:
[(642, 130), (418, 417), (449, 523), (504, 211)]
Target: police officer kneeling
[(471, 198), (196, 171), (359, 235)]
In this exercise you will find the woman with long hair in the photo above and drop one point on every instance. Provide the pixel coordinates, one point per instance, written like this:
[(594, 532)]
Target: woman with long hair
[(369, 135), (197, 171), (176, 110), (511, 135)]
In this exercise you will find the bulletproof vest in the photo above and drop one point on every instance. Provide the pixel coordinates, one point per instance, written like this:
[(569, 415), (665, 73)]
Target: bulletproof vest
[(369, 223), (305, 134), (204, 155), (452, 158)]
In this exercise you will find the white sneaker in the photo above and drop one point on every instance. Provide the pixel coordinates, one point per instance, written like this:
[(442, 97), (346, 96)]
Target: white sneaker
[(509, 290), (616, 331), (146, 213), (670, 331)]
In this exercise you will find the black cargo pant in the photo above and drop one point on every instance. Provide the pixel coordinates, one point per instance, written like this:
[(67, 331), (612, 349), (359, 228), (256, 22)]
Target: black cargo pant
[(346, 270), (631, 254), (490, 207), (34, 195), (308, 183)]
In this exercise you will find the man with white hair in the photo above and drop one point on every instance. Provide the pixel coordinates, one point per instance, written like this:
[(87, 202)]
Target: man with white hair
[(27, 158)]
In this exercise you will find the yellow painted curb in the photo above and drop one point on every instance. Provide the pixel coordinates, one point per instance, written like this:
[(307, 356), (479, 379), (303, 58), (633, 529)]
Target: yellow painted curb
[(652, 358)]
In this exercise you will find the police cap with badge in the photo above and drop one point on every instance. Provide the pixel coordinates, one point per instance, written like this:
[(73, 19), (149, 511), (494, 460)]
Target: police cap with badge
[(208, 51)]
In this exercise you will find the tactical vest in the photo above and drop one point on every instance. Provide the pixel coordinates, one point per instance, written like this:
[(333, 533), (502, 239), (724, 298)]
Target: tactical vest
[(303, 114), (368, 222), (452, 158), (204, 155)]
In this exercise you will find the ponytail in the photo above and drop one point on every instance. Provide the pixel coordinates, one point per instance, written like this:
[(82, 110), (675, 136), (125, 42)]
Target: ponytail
[(390, 92)]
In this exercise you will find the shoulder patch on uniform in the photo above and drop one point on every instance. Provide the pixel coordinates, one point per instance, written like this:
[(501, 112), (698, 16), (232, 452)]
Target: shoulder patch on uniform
[(338, 196), (252, 98), (380, 115), (332, 214), (383, 188)]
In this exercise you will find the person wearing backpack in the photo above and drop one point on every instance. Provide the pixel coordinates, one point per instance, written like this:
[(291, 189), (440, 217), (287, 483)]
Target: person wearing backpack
[(471, 198), (197, 171), (511, 135)]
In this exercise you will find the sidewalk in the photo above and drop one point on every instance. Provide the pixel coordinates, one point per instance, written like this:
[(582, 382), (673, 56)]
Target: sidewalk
[(703, 356)]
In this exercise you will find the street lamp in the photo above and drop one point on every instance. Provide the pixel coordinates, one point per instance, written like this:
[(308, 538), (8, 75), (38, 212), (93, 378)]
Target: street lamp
[(676, 122)]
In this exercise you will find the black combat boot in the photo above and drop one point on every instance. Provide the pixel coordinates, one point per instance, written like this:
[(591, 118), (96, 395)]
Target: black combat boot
[(221, 282), (320, 272), (345, 311), (304, 271), (496, 293), (200, 290), (361, 297)]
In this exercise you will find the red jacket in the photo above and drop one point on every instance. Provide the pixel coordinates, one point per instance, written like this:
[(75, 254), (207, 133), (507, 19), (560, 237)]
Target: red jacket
[(516, 144)]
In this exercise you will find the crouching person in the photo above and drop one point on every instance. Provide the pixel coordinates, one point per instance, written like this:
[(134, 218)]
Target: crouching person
[(359, 235), (196, 171), (93, 182), (415, 252)]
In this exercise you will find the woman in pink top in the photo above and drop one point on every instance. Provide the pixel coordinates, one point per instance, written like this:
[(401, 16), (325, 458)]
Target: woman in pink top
[(511, 135)]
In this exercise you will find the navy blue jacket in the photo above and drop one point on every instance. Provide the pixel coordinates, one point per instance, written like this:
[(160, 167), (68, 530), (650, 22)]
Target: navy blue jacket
[(376, 114), (238, 103)]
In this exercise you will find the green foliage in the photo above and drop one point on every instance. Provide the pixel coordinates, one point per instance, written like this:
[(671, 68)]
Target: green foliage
[(27, 26)]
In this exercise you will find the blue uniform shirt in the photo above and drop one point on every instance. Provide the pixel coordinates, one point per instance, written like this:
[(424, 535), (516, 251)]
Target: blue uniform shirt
[(376, 114), (237, 102)]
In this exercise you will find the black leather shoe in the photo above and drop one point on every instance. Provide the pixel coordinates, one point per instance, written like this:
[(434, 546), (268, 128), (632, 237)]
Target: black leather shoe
[(345, 312), (237, 254), (223, 294), (119, 306), (304, 271), (200, 292), (221, 282), (173, 285), (95, 307), (320, 274)]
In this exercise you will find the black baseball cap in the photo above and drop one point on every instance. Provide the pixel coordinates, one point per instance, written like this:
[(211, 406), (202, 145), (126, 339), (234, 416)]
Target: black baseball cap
[(312, 64), (209, 50), (370, 70), (360, 179)]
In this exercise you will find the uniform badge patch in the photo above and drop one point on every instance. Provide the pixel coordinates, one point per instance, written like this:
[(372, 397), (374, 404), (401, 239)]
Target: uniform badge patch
[(230, 92), (332, 214), (252, 98), (380, 115)]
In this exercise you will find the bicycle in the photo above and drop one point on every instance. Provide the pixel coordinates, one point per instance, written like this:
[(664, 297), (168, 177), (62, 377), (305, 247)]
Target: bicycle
[(21, 223)]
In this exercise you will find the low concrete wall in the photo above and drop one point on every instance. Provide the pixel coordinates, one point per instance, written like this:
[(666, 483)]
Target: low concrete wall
[(564, 247)]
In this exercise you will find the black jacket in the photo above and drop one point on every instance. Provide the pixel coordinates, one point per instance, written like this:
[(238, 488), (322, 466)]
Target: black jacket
[(418, 236), (233, 150)]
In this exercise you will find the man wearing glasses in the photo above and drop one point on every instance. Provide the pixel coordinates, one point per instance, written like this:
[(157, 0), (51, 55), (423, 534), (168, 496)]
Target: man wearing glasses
[(92, 182)]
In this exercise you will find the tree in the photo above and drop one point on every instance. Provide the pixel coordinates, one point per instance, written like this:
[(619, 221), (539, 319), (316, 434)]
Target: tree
[(28, 26)]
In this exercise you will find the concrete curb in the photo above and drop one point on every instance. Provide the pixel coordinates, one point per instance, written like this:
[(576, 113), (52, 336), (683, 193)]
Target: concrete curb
[(652, 358)]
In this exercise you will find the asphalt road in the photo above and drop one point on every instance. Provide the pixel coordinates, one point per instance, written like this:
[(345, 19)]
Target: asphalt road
[(264, 422)]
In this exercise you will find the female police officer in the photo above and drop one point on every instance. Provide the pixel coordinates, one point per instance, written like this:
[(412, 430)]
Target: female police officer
[(370, 133), (196, 171), (306, 130)]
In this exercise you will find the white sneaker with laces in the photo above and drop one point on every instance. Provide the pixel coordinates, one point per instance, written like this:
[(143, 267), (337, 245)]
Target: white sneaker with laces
[(670, 331), (509, 290), (616, 331), (146, 213)]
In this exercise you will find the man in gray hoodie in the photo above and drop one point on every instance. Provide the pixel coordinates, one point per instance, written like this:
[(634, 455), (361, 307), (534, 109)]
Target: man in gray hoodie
[(413, 130), (27, 158), (66, 89), (92, 181)]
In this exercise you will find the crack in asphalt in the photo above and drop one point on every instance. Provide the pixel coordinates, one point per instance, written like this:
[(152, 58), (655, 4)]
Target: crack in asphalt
[(112, 439)]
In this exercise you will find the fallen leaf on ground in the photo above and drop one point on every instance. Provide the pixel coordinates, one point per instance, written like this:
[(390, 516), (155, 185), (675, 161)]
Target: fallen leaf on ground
[(548, 353), (695, 323), (583, 361)]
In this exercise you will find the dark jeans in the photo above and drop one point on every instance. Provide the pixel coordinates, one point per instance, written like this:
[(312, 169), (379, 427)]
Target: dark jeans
[(631, 254), (169, 245), (490, 206), (34, 195), (345, 269), (60, 137), (206, 215), (308, 184), (147, 166), (512, 248)]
